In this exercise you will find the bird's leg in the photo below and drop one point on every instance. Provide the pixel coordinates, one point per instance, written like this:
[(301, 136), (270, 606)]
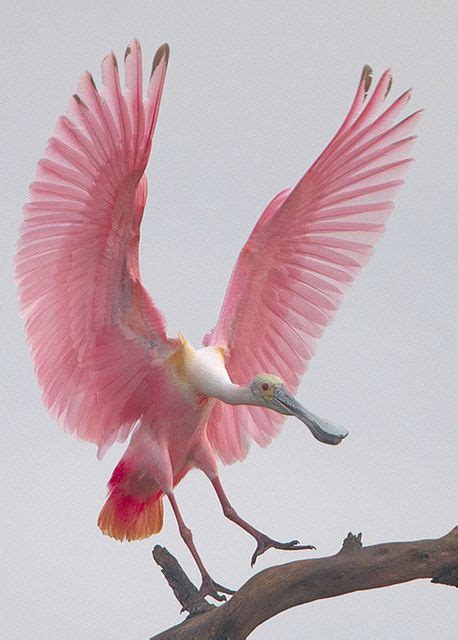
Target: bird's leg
[(263, 541), (209, 587)]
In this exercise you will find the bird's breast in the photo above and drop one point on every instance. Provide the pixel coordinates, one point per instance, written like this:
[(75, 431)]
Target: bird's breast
[(200, 373)]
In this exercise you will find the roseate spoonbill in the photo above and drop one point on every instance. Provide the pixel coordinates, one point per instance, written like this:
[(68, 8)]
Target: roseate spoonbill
[(102, 356)]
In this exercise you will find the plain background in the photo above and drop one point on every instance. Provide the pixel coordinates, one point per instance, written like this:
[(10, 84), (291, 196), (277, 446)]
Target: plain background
[(254, 92)]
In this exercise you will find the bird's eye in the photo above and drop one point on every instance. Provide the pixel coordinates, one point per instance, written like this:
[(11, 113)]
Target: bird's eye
[(265, 386)]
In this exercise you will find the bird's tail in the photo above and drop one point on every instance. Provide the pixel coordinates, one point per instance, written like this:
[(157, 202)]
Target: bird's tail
[(133, 509)]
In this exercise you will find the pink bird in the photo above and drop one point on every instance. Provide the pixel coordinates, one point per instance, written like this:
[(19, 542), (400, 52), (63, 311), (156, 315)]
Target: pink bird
[(102, 355)]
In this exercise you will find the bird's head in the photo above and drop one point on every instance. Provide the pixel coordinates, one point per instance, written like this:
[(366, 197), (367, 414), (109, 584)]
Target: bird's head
[(269, 391)]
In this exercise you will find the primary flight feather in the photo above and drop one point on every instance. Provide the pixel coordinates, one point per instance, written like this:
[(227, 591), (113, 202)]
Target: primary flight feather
[(103, 359)]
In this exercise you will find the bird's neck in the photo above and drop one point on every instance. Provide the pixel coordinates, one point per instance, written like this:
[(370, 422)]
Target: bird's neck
[(234, 394), (205, 371)]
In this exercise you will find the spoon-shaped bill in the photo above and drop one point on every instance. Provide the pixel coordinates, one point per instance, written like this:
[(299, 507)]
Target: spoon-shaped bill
[(323, 430)]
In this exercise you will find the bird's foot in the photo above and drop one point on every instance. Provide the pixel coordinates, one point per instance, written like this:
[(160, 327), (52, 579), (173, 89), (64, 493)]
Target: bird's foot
[(264, 543), (211, 588)]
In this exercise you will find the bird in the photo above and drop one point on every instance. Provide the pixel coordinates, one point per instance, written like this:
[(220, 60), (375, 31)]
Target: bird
[(106, 366)]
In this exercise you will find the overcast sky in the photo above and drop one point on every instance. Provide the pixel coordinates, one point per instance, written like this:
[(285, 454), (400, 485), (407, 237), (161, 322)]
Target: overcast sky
[(254, 92)]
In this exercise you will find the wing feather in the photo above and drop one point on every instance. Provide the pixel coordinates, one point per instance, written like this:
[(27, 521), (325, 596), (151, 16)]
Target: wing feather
[(303, 254), (96, 337)]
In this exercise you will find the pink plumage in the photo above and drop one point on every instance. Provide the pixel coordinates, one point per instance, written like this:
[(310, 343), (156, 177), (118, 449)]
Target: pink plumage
[(88, 318), (101, 352), (303, 253)]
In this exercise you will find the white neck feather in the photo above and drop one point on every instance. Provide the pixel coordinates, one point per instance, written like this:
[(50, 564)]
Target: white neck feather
[(235, 394), (208, 375)]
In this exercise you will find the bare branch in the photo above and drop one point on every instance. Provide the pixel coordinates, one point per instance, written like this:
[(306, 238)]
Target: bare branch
[(185, 591), (448, 576), (353, 568)]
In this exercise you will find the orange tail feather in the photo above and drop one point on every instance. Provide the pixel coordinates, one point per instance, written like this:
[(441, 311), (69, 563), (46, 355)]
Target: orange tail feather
[(133, 509), (126, 517)]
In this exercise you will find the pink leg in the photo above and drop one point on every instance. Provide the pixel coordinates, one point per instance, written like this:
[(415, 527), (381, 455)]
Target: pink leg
[(263, 541), (208, 587)]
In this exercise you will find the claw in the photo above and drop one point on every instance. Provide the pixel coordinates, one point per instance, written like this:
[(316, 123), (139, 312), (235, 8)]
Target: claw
[(264, 543), (211, 588)]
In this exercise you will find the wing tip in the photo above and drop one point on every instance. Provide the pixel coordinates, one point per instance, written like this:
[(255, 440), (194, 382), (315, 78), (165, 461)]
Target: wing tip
[(162, 53), (366, 78), (79, 101), (91, 79), (367, 75), (109, 58), (134, 45), (390, 83)]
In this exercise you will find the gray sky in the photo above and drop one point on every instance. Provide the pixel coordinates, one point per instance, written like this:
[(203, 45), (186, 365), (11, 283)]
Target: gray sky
[(254, 92)]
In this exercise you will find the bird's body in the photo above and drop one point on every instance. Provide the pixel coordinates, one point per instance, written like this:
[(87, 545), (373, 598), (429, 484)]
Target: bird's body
[(102, 355), (166, 444)]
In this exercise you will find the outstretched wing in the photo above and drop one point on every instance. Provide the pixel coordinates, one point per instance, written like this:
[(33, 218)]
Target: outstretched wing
[(96, 337), (302, 255)]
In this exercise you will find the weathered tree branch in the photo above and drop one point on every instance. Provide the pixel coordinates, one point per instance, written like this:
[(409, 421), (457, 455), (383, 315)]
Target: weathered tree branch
[(185, 592), (353, 568)]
